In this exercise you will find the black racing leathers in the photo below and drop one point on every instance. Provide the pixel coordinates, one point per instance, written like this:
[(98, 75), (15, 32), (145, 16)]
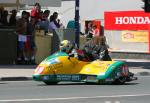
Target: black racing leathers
[(94, 52)]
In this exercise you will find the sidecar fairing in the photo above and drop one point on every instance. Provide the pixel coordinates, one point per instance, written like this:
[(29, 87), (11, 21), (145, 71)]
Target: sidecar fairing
[(60, 67)]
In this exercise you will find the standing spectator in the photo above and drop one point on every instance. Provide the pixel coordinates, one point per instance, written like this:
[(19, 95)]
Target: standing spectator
[(46, 15), (30, 44), (12, 20), (71, 24), (89, 29), (28, 17), (1, 12), (53, 25), (44, 23), (35, 12), (54, 22), (4, 20), (21, 29), (95, 31)]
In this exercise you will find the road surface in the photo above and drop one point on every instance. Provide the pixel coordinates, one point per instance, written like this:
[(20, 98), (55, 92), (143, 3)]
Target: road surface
[(68, 92)]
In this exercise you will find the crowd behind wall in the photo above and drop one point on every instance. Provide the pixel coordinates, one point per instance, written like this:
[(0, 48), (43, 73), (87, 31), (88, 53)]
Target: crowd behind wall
[(25, 27), (28, 23)]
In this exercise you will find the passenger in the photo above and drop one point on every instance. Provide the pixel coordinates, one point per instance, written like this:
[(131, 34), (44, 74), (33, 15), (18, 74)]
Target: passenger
[(104, 53), (96, 48)]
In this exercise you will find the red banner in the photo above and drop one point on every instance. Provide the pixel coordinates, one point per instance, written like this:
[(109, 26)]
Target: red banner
[(126, 20)]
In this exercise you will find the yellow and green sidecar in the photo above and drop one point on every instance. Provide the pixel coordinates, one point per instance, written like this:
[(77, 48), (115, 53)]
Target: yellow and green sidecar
[(61, 67)]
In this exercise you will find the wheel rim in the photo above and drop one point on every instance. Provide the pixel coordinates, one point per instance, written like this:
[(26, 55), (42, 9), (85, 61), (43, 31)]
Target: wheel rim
[(122, 79)]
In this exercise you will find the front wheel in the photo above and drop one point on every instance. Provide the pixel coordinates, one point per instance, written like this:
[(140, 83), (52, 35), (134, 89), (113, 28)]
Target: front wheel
[(50, 83), (120, 80)]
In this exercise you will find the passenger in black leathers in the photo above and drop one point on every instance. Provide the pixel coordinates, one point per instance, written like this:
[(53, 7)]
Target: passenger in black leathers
[(96, 48)]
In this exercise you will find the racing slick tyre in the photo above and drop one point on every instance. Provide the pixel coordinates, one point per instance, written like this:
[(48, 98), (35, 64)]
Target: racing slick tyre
[(50, 83), (120, 80)]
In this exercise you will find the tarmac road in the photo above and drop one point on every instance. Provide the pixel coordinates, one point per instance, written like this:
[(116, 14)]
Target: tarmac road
[(37, 92)]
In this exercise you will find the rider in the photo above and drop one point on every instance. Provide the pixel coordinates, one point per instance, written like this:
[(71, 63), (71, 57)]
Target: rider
[(71, 49), (67, 47), (96, 48)]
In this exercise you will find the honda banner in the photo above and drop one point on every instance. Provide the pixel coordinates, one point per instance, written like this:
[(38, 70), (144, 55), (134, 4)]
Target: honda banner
[(126, 20)]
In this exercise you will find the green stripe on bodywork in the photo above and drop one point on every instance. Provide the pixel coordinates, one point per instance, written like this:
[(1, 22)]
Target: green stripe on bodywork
[(110, 70), (40, 77), (58, 54), (66, 77), (36, 77)]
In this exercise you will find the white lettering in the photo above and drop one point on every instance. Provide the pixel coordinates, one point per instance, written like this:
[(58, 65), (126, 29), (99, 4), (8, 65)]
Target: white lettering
[(147, 20), (140, 20), (132, 20), (118, 20), (126, 20)]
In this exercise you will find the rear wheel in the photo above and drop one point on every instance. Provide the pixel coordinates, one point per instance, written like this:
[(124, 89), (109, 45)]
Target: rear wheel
[(50, 83)]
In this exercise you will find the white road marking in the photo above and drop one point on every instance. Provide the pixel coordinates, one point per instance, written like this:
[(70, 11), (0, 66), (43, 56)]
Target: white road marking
[(73, 98)]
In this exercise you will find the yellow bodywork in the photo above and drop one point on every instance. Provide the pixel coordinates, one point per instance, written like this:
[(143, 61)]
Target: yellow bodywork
[(73, 66)]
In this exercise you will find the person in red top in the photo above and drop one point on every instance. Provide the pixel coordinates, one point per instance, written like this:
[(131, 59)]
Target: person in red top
[(35, 12), (96, 31)]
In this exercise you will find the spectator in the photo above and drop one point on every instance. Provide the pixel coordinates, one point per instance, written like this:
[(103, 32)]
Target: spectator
[(46, 14), (4, 20), (52, 25), (12, 20), (54, 22), (28, 17), (1, 12), (30, 44), (71, 24), (89, 30), (95, 31), (35, 12), (21, 29), (44, 23)]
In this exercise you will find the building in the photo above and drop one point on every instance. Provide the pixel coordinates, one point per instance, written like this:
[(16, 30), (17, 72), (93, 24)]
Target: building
[(94, 10)]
